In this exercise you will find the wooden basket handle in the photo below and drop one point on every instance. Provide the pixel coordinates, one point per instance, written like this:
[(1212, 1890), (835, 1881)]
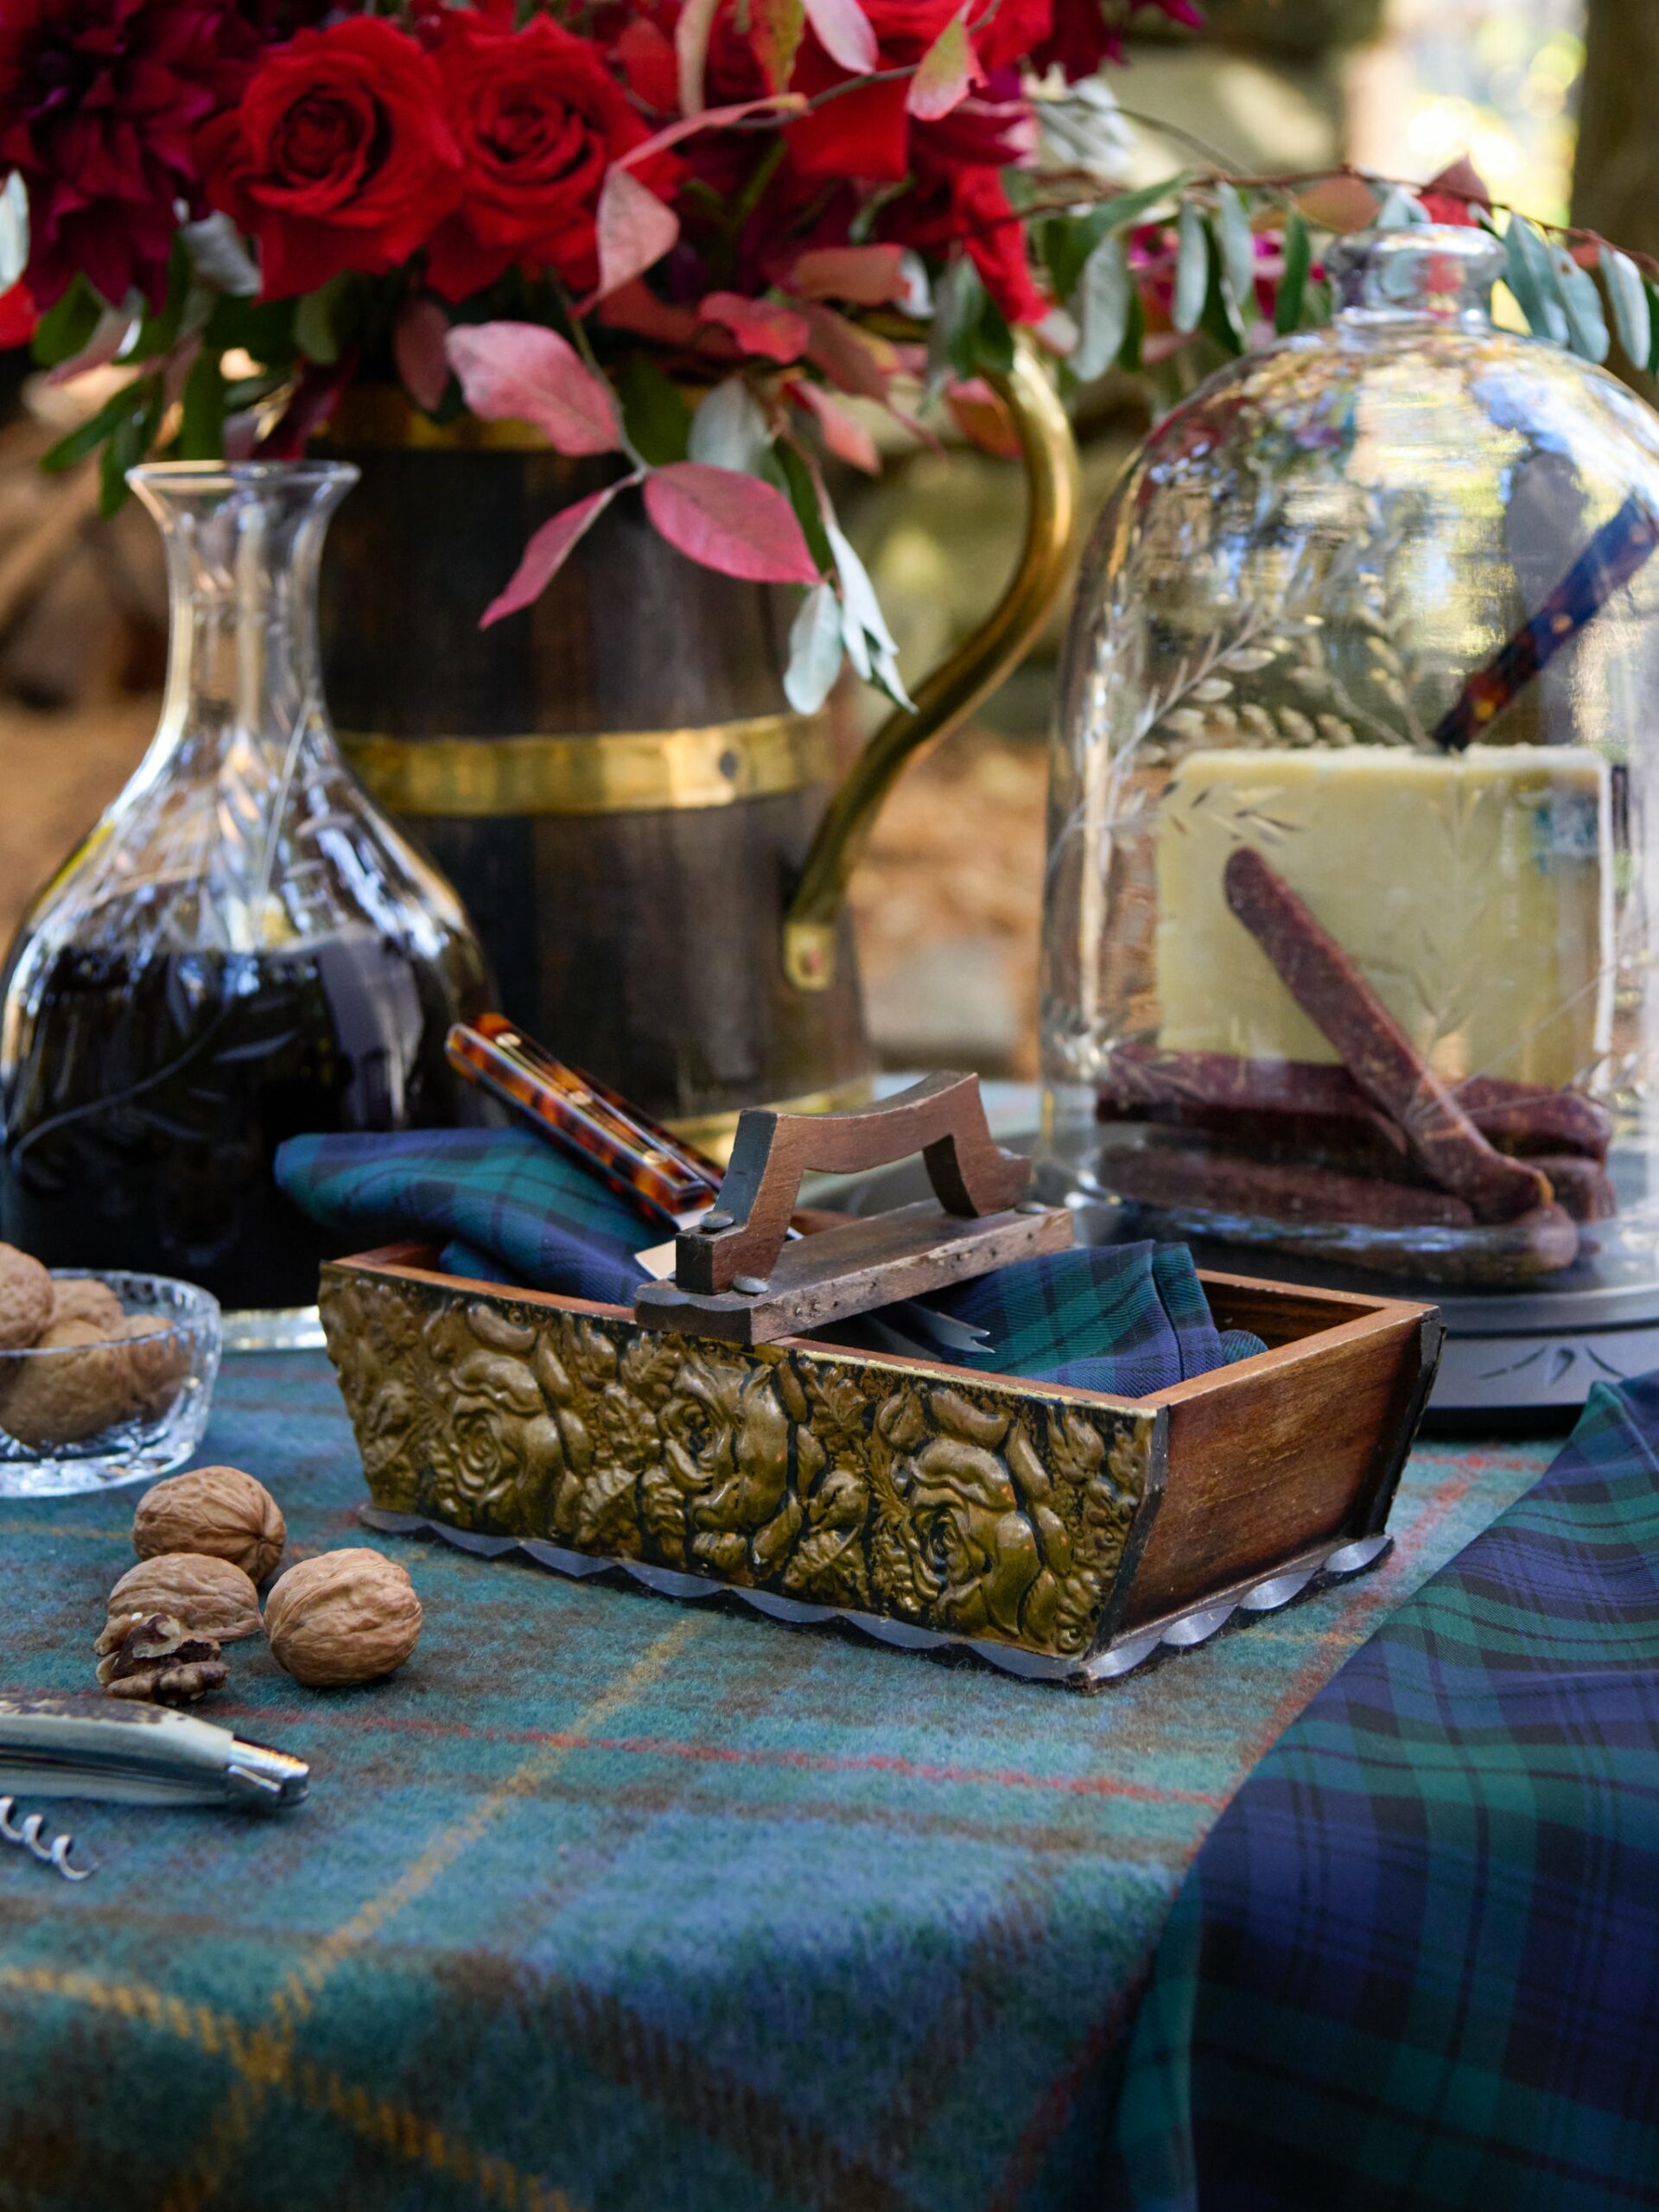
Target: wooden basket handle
[(943, 1117)]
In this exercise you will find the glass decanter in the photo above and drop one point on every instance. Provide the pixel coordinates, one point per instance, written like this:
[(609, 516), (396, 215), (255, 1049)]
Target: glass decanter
[(1350, 901), (242, 950)]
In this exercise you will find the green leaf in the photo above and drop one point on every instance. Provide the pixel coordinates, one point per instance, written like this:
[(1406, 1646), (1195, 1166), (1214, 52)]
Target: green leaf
[(202, 427), (797, 482), (959, 302), (1130, 358), (314, 323), (1128, 208), (159, 329), (655, 413), (1587, 326), (1532, 279), (1237, 252), (86, 438), (1192, 267), (132, 439), (1401, 211), (1628, 296), (67, 328), (1292, 285), (1101, 306), (993, 341), (1219, 319)]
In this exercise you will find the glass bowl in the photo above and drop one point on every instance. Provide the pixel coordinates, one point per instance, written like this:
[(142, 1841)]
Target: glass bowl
[(111, 1410)]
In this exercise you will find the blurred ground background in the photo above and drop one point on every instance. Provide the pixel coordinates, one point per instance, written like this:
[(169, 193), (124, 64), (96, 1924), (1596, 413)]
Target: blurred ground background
[(947, 898)]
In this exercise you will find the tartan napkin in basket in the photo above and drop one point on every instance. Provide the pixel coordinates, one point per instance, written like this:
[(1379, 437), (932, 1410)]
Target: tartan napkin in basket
[(1128, 1318)]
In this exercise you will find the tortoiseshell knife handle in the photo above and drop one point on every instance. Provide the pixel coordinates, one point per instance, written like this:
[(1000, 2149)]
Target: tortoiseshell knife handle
[(669, 1181)]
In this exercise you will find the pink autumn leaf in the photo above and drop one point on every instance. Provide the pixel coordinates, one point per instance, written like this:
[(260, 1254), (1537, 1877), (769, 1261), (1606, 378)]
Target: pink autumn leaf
[(549, 550), (420, 347), (945, 76), (759, 326), (844, 436), (868, 275), (729, 521), (846, 357), (520, 372), (635, 229), (845, 33), (709, 118)]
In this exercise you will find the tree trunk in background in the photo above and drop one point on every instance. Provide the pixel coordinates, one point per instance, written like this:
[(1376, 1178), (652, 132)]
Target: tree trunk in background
[(1615, 182)]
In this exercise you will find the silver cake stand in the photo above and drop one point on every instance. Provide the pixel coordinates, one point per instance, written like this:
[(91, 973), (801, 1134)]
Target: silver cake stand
[(1520, 1358)]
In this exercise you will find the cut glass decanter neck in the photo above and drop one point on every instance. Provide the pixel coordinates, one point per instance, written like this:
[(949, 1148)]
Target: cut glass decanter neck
[(1439, 272)]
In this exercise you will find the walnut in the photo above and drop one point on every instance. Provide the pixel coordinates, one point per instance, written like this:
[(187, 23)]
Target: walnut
[(85, 1298), (69, 1396), (216, 1509), (158, 1359), (346, 1617), (25, 1299), (154, 1656), (212, 1596)]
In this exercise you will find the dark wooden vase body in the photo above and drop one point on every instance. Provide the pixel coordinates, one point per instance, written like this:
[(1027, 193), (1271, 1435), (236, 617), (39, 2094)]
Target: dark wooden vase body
[(640, 944)]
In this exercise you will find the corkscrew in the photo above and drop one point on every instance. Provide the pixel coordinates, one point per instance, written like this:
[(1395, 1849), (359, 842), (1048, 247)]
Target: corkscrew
[(28, 1836)]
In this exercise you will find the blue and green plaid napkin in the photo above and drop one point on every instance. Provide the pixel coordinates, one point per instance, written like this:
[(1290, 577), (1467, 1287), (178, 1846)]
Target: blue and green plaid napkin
[(1127, 1319)]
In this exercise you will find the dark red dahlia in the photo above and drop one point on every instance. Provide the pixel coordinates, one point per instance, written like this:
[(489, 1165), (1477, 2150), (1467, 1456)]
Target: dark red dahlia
[(99, 99)]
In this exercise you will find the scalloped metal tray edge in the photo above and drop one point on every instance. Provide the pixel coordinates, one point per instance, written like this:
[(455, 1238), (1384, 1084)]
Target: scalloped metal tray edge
[(1182, 1631)]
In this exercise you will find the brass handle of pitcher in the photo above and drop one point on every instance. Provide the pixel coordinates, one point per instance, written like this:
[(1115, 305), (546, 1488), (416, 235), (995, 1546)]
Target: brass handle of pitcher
[(952, 691)]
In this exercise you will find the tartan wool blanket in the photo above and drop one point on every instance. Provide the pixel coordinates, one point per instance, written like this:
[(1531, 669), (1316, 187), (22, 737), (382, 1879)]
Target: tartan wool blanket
[(605, 1904), (1416, 1964)]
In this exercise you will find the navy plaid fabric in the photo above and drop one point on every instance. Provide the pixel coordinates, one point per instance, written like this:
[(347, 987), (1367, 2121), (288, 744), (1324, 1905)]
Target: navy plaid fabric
[(1416, 1962), (1130, 1318)]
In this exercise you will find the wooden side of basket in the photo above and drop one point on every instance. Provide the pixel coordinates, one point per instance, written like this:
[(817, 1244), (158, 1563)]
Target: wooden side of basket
[(1028, 1521)]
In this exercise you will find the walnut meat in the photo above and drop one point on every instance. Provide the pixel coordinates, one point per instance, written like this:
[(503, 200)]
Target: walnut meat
[(216, 1509), (348, 1617), (84, 1297), (84, 1387), (155, 1657), (25, 1299), (212, 1596)]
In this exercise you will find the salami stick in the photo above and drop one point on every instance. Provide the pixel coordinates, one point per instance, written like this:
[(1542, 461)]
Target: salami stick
[(1306, 1103), (1347, 1207), (1372, 1046)]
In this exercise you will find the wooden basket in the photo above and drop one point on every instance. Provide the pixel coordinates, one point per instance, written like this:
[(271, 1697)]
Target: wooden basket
[(1059, 1533)]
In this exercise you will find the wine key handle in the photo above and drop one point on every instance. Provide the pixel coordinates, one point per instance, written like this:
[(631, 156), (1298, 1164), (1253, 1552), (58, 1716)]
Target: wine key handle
[(943, 1117)]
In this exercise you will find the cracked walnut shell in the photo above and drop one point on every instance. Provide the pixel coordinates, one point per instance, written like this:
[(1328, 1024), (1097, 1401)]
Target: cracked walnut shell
[(345, 1616), (156, 1658), (25, 1299), (215, 1509), (210, 1595)]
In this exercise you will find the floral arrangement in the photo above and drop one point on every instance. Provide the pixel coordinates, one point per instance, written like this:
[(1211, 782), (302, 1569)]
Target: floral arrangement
[(684, 233), (584, 215)]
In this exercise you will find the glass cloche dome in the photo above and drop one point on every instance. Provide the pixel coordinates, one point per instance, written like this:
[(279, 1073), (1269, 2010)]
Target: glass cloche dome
[(1350, 910)]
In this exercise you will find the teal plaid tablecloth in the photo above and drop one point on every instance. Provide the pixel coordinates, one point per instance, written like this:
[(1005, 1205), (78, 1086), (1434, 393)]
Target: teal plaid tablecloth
[(607, 1904)]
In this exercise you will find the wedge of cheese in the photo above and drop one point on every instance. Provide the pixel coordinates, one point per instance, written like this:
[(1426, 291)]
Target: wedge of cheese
[(1474, 891)]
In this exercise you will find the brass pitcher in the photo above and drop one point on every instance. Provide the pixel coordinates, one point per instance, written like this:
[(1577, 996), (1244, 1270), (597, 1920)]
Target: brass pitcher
[(651, 845)]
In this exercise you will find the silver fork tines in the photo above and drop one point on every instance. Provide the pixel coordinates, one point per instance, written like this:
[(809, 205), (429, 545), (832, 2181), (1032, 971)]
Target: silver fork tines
[(27, 1836)]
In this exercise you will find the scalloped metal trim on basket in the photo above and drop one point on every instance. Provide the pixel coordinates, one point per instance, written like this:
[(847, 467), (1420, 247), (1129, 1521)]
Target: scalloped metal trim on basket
[(1182, 1632)]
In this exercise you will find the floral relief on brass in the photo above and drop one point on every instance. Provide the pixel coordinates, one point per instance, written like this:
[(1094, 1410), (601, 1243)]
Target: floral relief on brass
[(975, 1508)]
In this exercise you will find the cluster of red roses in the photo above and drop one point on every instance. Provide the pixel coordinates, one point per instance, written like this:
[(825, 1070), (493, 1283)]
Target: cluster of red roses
[(482, 136)]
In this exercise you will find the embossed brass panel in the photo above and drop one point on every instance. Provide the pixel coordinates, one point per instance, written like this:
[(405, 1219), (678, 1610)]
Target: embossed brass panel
[(976, 1507)]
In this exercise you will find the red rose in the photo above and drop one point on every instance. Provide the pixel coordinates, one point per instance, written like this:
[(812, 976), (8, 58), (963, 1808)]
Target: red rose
[(865, 133), (970, 206), (99, 103), (338, 156), (538, 119)]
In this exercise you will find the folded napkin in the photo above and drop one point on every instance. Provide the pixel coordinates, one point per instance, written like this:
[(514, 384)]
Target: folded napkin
[(1128, 1318)]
